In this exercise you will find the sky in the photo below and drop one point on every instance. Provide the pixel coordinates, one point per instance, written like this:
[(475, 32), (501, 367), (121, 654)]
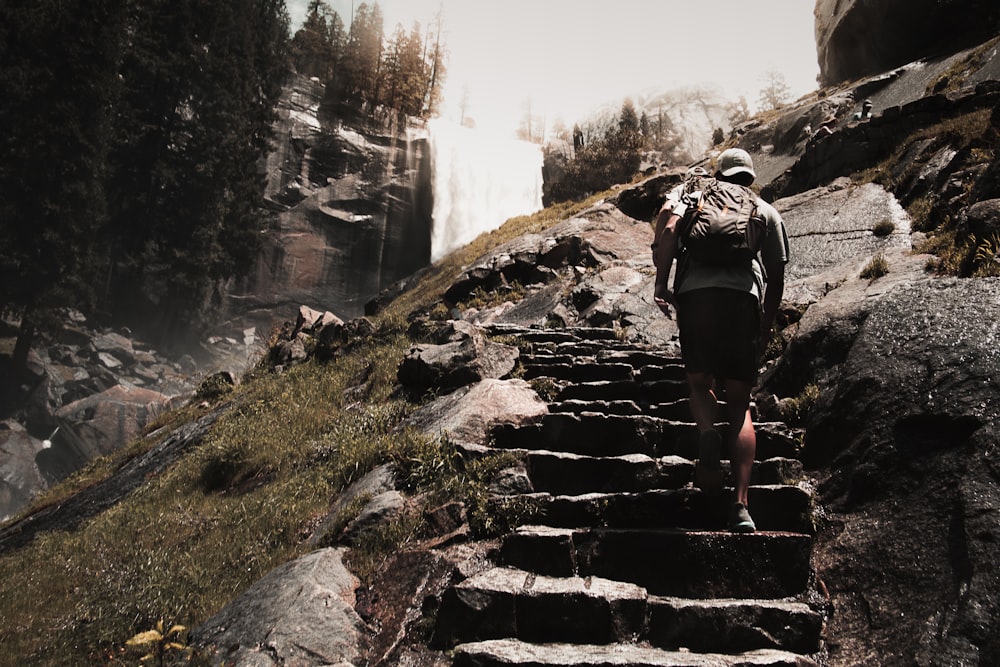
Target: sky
[(571, 57)]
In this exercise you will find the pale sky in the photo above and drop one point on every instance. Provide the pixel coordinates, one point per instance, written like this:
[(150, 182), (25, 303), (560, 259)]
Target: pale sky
[(571, 57)]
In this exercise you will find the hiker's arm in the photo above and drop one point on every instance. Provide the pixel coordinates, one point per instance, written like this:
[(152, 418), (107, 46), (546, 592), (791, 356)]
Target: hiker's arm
[(664, 248), (772, 299)]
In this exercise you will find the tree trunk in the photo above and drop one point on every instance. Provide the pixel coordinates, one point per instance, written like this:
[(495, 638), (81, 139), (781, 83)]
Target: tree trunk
[(25, 338)]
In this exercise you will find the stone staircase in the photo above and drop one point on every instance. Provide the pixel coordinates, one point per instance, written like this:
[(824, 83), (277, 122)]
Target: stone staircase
[(623, 561)]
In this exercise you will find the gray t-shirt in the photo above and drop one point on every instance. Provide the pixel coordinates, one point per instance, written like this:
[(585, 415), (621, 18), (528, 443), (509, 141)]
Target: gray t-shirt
[(692, 275)]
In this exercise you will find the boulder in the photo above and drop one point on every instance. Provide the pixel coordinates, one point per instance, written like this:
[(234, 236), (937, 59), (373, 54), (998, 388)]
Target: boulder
[(98, 425), (375, 483), (20, 478), (452, 365), (982, 220), (859, 37), (113, 349), (907, 421), (379, 509), (301, 613), (466, 416)]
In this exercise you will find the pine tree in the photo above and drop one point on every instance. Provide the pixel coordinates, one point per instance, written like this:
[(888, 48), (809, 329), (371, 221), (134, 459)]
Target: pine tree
[(57, 82), (318, 44), (200, 80), (363, 55)]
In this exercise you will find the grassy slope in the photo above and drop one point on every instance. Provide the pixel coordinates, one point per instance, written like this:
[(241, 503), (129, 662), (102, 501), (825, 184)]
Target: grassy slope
[(236, 505)]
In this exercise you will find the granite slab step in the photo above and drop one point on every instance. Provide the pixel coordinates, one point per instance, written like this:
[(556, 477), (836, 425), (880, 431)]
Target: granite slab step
[(777, 507), (655, 373), (733, 625), (590, 434), (604, 390), (612, 407), (561, 473), (505, 602), (507, 652), (639, 359), (508, 603), (670, 562), (545, 358), (774, 439), (578, 372)]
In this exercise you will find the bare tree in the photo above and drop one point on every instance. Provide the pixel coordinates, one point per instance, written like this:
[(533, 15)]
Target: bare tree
[(775, 92)]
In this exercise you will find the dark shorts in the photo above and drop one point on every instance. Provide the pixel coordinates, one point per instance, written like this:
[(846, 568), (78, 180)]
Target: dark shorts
[(719, 330)]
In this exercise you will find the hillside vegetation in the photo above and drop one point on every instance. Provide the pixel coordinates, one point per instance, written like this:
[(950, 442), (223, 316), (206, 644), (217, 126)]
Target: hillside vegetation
[(239, 502)]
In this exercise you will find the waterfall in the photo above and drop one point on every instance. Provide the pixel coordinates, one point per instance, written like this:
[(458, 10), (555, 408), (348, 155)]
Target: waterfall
[(479, 180)]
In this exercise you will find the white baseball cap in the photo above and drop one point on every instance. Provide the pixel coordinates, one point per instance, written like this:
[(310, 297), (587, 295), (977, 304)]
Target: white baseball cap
[(734, 161)]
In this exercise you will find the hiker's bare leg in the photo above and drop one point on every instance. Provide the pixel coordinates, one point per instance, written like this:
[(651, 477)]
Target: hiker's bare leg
[(704, 406), (742, 439)]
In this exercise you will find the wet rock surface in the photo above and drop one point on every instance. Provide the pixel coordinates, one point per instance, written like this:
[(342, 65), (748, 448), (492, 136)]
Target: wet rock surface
[(841, 223)]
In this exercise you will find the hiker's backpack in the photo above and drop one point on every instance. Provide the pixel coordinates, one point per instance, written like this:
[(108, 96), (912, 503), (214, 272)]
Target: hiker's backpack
[(721, 225)]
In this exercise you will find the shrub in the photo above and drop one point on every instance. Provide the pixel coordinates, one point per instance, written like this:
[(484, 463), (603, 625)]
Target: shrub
[(795, 410), (876, 268), (884, 227), (986, 261)]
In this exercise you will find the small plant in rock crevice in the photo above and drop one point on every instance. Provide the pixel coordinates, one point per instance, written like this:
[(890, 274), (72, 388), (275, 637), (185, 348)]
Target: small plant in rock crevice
[(987, 258), (876, 268), (546, 388), (794, 410), (884, 227)]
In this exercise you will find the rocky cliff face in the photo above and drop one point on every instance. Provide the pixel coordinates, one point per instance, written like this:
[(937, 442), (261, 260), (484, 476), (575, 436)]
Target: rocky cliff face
[(860, 37), (353, 202)]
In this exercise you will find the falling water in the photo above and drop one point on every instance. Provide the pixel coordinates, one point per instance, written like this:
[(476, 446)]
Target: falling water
[(479, 181)]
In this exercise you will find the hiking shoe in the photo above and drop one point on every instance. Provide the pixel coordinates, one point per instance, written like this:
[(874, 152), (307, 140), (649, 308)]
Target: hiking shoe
[(708, 471), (740, 521)]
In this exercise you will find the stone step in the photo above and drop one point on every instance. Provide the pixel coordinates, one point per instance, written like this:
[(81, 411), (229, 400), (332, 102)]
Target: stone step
[(595, 434), (561, 473), (604, 407), (732, 626), (507, 652), (589, 434), (672, 372), (578, 372), (774, 439), (506, 602), (689, 564), (774, 508), (640, 359), (545, 359), (602, 390), (675, 410), (605, 335)]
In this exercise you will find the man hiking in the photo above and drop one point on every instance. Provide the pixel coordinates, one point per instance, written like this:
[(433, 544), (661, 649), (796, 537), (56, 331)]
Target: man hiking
[(725, 311)]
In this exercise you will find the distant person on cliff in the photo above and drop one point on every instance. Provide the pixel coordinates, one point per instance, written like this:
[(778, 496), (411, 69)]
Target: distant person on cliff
[(865, 113), (725, 311)]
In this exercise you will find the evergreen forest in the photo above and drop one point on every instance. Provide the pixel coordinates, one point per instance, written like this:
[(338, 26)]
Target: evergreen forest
[(133, 136)]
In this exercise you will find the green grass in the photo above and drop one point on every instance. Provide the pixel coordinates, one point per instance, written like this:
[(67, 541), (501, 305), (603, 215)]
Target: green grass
[(795, 410)]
